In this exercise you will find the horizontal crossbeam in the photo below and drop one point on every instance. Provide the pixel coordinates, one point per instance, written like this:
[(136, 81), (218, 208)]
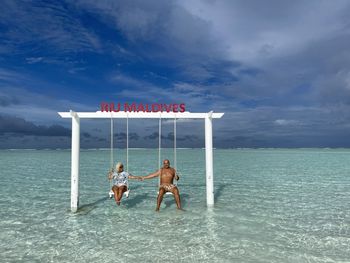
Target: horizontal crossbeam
[(140, 115)]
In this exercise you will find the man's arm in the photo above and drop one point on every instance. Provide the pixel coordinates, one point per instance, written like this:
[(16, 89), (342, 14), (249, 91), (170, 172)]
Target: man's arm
[(177, 178), (155, 174)]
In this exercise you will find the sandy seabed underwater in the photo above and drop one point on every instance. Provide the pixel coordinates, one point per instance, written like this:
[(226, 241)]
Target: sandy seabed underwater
[(271, 205)]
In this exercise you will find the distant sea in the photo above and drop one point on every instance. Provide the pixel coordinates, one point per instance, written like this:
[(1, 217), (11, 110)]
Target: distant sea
[(271, 205)]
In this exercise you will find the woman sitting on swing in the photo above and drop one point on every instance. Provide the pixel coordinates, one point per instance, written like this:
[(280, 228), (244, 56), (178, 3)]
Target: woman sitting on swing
[(120, 182)]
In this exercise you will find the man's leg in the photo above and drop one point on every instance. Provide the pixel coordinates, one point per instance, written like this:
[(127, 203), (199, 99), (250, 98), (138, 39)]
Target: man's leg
[(160, 198), (176, 194)]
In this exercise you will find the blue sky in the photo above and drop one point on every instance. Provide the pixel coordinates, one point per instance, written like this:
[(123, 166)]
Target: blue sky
[(280, 70)]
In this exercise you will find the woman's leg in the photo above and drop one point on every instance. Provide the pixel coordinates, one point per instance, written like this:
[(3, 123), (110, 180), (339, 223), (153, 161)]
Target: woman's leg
[(121, 190), (116, 190)]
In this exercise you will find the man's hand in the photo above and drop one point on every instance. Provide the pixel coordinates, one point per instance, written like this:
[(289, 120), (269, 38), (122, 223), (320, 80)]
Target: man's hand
[(140, 178)]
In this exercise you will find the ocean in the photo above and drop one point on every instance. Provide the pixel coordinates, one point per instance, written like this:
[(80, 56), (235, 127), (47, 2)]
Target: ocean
[(271, 205)]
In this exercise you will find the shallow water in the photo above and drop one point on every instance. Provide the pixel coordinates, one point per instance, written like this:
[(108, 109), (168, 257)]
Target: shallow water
[(271, 206)]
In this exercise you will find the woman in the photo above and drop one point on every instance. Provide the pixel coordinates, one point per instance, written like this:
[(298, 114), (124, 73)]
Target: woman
[(120, 181)]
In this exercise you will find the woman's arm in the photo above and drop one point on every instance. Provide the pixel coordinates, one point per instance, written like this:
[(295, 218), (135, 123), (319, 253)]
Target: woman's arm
[(110, 175), (135, 177)]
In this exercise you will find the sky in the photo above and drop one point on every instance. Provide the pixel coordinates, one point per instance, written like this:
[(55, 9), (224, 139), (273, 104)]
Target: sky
[(279, 70)]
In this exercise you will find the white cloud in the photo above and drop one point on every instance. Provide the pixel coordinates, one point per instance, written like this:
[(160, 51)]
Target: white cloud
[(288, 44), (283, 122), (33, 60), (249, 32), (49, 24), (253, 32), (196, 97)]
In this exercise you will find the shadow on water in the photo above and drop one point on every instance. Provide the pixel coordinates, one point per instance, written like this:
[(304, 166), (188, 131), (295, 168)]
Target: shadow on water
[(134, 201), (132, 188), (218, 192), (87, 208), (169, 200)]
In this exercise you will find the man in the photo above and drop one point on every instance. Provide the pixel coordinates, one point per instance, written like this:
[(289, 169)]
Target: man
[(167, 175), (120, 181)]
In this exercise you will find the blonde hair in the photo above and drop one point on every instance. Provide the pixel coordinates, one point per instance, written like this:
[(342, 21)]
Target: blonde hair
[(118, 165)]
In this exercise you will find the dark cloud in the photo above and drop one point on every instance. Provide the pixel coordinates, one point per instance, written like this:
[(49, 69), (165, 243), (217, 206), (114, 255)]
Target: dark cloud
[(189, 138), (16, 132), (86, 135), (153, 136), (19, 126), (170, 137), (122, 136), (8, 100), (278, 84)]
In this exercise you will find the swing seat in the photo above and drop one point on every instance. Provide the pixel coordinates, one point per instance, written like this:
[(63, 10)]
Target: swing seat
[(167, 193), (126, 193)]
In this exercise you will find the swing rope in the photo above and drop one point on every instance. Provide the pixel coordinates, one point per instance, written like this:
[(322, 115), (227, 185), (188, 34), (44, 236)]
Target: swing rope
[(111, 151), (175, 143), (127, 147), (175, 157), (159, 145)]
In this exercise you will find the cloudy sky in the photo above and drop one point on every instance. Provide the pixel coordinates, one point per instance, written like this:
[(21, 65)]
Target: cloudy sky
[(280, 70)]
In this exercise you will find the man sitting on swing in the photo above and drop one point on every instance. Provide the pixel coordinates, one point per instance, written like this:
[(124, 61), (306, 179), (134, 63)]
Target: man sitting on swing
[(120, 181), (167, 175)]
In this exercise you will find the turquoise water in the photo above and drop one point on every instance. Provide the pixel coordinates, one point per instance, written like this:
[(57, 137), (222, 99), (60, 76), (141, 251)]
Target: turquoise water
[(271, 206)]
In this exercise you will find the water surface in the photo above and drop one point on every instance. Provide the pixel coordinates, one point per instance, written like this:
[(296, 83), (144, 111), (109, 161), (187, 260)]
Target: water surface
[(272, 205)]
